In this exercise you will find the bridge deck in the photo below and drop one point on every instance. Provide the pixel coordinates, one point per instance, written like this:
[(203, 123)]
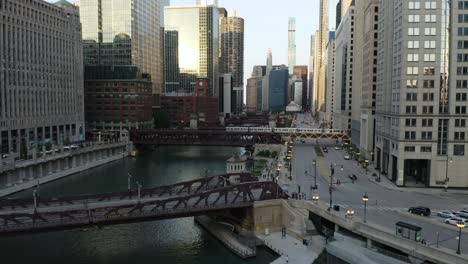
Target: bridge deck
[(102, 209)]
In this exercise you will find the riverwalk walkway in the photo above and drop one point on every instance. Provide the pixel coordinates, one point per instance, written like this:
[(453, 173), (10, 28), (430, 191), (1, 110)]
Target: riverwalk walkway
[(226, 237), (292, 249)]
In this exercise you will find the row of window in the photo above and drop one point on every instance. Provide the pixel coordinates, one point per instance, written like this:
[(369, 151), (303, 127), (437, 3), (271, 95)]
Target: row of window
[(458, 150), (427, 31), (427, 18), (415, 5), (427, 57), (413, 84), (429, 109), (428, 44)]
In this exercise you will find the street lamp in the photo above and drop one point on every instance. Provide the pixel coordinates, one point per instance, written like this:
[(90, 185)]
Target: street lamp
[(332, 172), (35, 200), (365, 198), (315, 197), (447, 179), (139, 191), (349, 213), (129, 178), (315, 175), (460, 225)]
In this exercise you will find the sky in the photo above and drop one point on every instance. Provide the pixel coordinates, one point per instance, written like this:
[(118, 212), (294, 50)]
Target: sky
[(266, 26)]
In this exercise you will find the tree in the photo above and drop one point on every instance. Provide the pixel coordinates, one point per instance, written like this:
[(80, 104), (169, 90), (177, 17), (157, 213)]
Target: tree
[(267, 153), (274, 154), (161, 120)]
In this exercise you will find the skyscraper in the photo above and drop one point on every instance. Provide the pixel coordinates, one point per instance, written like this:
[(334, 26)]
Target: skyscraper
[(194, 45), (319, 75), (41, 82), (232, 52), (265, 82), (127, 33), (300, 71), (291, 44)]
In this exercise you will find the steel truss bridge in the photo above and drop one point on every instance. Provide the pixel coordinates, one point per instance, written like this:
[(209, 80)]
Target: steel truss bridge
[(196, 197), (232, 136)]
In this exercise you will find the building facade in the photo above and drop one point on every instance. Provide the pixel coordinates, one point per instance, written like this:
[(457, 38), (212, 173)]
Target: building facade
[(232, 48), (365, 73), (343, 89), (127, 33), (421, 92), (278, 89), (330, 83), (291, 44), (41, 76), (300, 71), (194, 45), (117, 98)]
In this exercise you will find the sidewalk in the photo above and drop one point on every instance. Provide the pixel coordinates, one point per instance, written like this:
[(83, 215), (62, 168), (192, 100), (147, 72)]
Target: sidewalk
[(296, 252)]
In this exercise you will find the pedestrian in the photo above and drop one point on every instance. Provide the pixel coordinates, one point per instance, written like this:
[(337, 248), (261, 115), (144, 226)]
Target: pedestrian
[(287, 259)]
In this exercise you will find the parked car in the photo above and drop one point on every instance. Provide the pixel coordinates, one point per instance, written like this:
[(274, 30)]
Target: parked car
[(462, 213), (420, 210), (446, 214), (325, 149), (347, 157), (337, 148), (455, 220), (353, 177)]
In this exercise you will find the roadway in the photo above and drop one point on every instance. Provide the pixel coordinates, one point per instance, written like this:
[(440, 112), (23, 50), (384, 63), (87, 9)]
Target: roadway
[(385, 206)]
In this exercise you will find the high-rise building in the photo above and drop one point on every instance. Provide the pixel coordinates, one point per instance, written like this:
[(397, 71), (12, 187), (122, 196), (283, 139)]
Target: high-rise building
[(207, 2), (278, 88), (232, 52), (265, 82), (300, 71), (344, 59), (194, 45), (365, 74), (345, 4), (124, 34), (319, 75), (331, 14), (291, 44), (41, 76), (421, 93), (330, 81), (254, 94), (310, 91)]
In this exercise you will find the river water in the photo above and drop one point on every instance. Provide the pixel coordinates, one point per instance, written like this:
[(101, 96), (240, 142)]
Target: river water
[(167, 241)]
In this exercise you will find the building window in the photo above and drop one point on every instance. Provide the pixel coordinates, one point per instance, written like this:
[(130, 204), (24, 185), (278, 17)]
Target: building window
[(429, 57), (413, 57), (427, 97), (413, 31), (426, 135), (460, 122), (412, 84), (429, 44), (410, 149), (427, 122), (412, 71), (459, 136), (413, 18), (430, 5), (459, 150), (461, 97), (410, 122), (414, 5), (426, 149), (411, 109), (410, 135), (411, 97), (413, 44), (428, 84), (429, 70), (460, 110), (430, 18), (428, 109)]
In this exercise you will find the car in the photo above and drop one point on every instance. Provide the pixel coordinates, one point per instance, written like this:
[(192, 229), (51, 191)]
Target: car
[(325, 149), (462, 213), (347, 157), (353, 177), (455, 220), (446, 214), (420, 210), (337, 148)]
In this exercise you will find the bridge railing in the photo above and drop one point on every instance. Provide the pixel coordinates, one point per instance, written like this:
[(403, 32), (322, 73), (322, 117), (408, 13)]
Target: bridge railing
[(285, 130)]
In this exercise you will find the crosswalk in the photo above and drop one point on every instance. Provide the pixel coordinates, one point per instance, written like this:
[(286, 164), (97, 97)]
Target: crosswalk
[(373, 207)]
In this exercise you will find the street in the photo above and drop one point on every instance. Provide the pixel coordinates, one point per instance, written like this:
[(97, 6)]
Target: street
[(385, 206)]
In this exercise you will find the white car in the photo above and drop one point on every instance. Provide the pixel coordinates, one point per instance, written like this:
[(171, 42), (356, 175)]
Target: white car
[(455, 220), (462, 213), (337, 148), (347, 157), (446, 214)]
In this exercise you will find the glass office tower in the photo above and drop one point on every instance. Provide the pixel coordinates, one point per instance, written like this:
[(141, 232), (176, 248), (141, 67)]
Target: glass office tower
[(191, 48), (123, 32)]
